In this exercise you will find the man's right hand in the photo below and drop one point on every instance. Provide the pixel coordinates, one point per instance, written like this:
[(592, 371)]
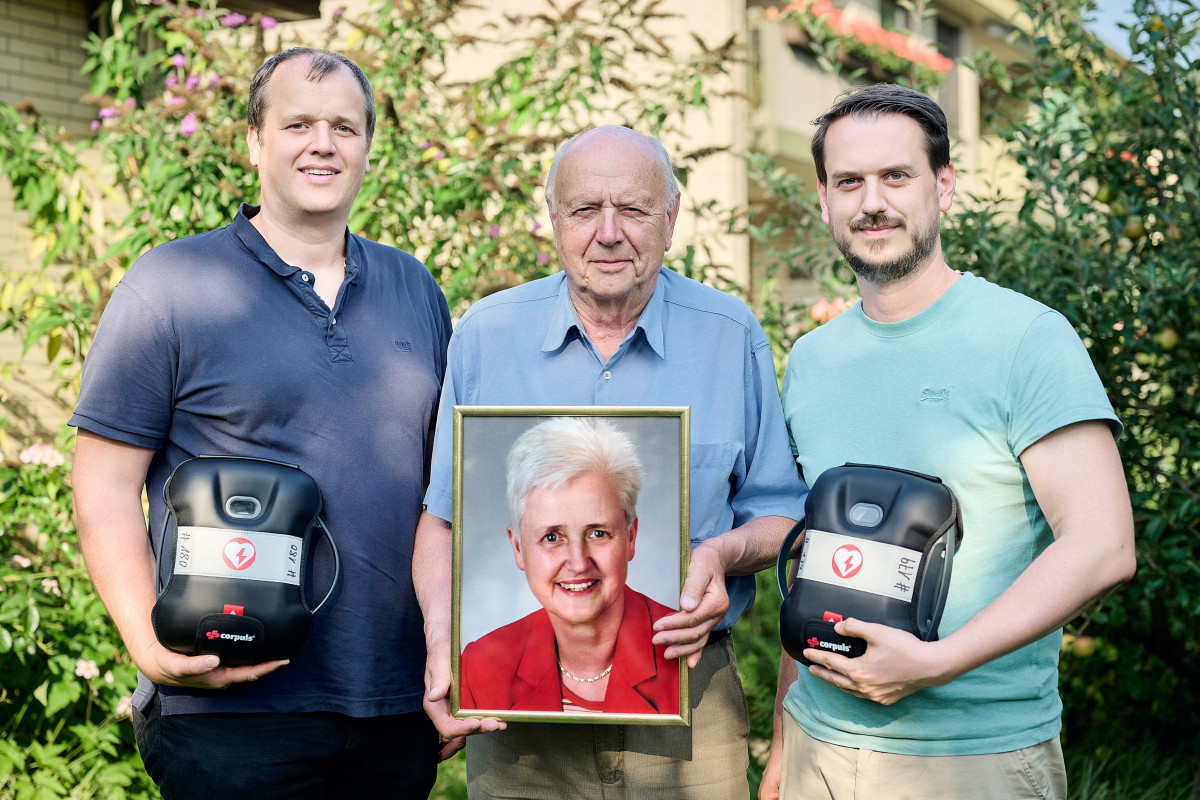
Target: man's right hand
[(437, 705), (169, 668)]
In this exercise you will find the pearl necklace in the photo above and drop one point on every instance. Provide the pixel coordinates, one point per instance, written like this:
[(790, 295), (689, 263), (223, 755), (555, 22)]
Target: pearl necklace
[(564, 671)]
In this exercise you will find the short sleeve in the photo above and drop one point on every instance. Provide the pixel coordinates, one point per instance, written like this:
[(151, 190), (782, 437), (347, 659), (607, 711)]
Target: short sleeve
[(129, 373), (1053, 384)]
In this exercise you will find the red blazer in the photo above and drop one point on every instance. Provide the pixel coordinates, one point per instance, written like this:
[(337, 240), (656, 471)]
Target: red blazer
[(513, 668)]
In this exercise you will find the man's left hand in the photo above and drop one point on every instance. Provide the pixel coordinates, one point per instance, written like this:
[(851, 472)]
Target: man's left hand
[(703, 602), (895, 665)]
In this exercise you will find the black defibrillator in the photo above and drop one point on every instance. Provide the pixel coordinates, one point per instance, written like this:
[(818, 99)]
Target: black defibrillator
[(879, 545), (244, 533)]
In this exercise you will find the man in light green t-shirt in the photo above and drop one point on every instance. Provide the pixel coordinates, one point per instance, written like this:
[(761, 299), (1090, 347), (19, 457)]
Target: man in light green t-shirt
[(944, 373)]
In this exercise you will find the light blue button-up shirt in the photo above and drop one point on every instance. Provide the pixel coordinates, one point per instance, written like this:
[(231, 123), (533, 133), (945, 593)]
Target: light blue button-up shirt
[(693, 346)]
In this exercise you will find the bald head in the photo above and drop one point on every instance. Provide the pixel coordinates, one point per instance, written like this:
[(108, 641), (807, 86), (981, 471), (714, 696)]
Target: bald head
[(653, 148)]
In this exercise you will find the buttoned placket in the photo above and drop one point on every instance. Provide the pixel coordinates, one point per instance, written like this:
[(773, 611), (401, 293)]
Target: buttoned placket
[(606, 389), (336, 338)]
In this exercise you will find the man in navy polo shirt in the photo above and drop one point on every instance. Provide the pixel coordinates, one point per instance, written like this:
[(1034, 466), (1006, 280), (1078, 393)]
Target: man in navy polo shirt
[(280, 336), (616, 328)]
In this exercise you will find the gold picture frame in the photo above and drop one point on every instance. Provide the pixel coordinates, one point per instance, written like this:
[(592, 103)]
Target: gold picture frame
[(514, 669)]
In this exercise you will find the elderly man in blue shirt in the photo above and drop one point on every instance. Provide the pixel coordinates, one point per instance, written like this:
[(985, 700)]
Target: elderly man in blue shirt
[(616, 328)]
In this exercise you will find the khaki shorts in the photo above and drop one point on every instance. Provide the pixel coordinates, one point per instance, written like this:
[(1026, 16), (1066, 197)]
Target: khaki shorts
[(551, 761), (816, 770)]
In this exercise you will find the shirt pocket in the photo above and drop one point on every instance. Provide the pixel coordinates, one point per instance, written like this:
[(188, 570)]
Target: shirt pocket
[(712, 456), (710, 489)]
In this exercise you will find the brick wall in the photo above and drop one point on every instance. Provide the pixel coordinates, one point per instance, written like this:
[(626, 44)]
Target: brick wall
[(40, 58)]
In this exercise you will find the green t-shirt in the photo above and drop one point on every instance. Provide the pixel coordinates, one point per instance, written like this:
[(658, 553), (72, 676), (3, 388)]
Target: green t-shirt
[(957, 391)]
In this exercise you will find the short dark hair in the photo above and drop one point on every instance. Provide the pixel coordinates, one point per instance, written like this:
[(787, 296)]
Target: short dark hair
[(321, 63), (886, 98)]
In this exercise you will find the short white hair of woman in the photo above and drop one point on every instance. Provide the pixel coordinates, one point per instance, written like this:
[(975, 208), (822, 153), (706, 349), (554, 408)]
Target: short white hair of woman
[(561, 449)]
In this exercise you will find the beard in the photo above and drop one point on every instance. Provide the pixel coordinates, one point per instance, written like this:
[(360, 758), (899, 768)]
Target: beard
[(882, 273)]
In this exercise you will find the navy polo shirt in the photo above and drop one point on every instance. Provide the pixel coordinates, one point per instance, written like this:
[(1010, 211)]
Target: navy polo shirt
[(213, 345)]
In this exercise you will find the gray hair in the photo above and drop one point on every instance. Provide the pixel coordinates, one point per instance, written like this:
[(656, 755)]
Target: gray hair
[(555, 452), (670, 185), (321, 63)]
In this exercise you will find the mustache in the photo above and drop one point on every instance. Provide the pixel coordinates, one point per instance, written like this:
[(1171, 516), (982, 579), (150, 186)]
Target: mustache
[(877, 221)]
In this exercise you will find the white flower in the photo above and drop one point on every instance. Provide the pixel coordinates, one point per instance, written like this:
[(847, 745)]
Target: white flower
[(50, 586), (21, 562), (108, 677), (86, 669), (125, 706)]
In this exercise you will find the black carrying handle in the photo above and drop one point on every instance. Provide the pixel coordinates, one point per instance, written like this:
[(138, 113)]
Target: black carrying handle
[(337, 560), (785, 552)]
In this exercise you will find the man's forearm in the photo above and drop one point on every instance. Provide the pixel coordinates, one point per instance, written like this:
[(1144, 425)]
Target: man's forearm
[(107, 482), (752, 547), (432, 565)]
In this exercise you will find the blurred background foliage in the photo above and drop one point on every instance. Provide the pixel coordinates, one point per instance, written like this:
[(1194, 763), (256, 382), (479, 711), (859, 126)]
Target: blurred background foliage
[(1107, 233)]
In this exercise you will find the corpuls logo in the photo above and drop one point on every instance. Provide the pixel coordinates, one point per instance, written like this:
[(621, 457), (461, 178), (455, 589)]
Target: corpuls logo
[(230, 637)]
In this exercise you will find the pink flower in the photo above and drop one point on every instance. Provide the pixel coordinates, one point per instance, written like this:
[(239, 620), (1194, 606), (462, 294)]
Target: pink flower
[(178, 60), (337, 12), (215, 80), (95, 124), (268, 23), (824, 310), (188, 126), (193, 81), (107, 113), (234, 20), (174, 101), (42, 453), (543, 258), (50, 586), (494, 231), (87, 669), (170, 81), (130, 102)]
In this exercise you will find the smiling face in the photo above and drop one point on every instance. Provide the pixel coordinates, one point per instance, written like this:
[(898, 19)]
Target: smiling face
[(613, 220), (882, 200), (311, 151), (575, 549)]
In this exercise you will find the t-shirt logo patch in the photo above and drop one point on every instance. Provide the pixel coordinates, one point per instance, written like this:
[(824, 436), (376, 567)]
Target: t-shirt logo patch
[(935, 396), (239, 553), (847, 561), (403, 346)]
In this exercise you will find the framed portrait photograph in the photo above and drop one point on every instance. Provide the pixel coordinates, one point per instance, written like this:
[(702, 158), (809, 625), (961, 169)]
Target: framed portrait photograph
[(570, 540)]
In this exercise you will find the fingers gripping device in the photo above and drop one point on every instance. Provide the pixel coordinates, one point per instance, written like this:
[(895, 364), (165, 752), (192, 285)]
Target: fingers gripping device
[(879, 545), (244, 533)]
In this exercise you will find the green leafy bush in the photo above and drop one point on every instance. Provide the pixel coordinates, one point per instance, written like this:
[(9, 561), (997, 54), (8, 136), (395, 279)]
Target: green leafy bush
[(66, 678)]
